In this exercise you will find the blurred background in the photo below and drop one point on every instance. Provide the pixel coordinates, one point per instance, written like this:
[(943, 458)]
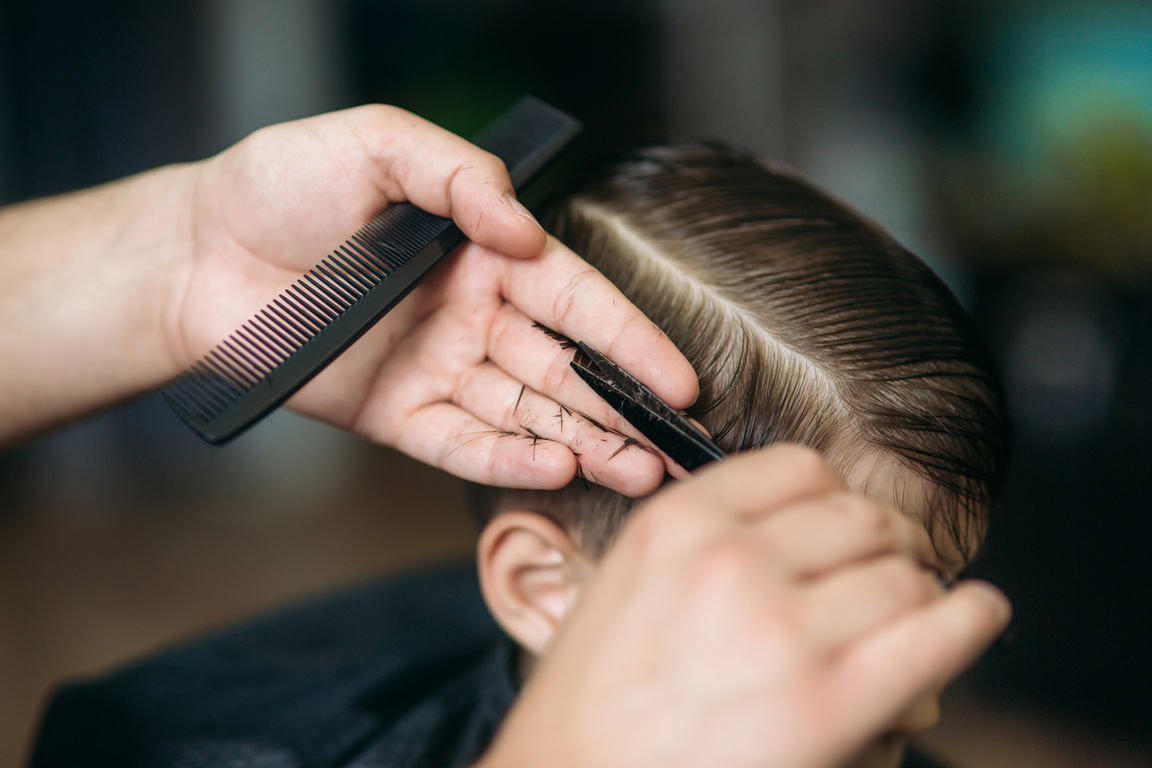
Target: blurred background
[(1010, 144)]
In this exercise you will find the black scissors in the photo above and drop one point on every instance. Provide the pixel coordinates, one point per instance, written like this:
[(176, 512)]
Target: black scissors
[(666, 428)]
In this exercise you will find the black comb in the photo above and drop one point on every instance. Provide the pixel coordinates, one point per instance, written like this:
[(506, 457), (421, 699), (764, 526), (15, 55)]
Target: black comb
[(288, 342)]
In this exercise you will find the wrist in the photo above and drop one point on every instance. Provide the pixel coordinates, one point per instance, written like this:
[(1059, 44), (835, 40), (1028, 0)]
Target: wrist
[(146, 260), (84, 296)]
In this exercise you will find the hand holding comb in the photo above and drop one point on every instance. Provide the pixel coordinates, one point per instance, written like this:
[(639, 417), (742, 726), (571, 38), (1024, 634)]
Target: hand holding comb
[(284, 345)]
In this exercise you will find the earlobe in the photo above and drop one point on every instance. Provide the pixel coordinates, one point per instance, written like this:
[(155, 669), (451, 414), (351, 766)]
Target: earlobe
[(530, 574)]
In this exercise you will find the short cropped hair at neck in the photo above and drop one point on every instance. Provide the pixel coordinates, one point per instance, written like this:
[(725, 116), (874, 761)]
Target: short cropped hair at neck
[(805, 322)]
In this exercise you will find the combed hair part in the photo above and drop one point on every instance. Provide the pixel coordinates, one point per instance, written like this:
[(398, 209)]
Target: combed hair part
[(805, 322)]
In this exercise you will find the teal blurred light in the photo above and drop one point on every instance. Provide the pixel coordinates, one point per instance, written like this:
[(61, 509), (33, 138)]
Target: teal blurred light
[(1059, 71)]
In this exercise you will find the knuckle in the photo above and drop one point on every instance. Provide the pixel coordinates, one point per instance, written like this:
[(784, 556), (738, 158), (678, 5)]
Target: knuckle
[(569, 294), (479, 165), (516, 413), (910, 582), (723, 563), (554, 375), (506, 323), (383, 112), (489, 164), (805, 462), (455, 178), (656, 522), (863, 512), (496, 461), (463, 384), (631, 325)]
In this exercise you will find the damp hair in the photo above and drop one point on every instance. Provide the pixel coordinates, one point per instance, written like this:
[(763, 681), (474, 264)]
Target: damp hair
[(806, 323)]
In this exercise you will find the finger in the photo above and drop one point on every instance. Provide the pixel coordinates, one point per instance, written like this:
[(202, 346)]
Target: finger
[(446, 436), (853, 601), (752, 486), (564, 293), (448, 176), (606, 457), (521, 346), (888, 670), (831, 531)]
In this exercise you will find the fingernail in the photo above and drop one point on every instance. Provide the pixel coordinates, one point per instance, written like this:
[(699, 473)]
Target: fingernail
[(518, 206)]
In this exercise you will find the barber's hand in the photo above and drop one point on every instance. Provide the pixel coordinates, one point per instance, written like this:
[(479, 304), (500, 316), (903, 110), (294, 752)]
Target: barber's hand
[(455, 375), (755, 615)]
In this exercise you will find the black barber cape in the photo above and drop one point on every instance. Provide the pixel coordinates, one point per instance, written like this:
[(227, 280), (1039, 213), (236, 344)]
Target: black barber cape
[(408, 672)]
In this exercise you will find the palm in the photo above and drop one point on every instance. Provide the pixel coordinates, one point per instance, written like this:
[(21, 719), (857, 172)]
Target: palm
[(252, 238)]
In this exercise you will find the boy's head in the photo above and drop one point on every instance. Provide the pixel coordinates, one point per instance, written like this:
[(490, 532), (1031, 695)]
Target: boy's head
[(806, 324)]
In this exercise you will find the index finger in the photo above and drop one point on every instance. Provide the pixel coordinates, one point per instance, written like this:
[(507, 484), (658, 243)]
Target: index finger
[(563, 292), (446, 175)]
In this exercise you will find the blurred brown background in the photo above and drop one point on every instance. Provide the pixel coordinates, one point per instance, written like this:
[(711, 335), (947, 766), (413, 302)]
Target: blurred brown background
[(1010, 144)]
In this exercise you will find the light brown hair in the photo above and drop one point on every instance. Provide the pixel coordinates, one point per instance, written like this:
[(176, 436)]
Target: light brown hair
[(805, 322)]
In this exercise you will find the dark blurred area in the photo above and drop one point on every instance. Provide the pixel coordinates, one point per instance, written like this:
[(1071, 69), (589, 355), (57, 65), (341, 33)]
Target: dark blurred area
[(1009, 144)]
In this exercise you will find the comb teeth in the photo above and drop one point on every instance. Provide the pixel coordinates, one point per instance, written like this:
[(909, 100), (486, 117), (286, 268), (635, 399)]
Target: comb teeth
[(302, 312), (307, 326)]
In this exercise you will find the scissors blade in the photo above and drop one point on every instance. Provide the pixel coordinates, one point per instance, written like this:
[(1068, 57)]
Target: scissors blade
[(669, 430)]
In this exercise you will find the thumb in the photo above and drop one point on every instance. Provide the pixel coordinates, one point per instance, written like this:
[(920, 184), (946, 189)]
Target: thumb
[(446, 175)]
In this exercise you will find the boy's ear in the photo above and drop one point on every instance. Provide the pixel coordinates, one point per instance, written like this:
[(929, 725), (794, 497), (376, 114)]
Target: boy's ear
[(530, 574)]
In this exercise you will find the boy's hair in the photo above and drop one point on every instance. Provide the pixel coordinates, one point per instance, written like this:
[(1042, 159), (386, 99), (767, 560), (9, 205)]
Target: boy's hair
[(805, 322)]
